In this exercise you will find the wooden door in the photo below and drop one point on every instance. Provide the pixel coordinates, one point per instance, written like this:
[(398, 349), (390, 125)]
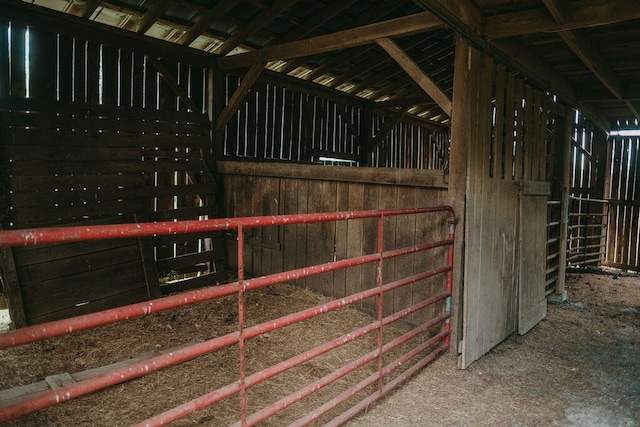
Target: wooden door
[(490, 291), (532, 301)]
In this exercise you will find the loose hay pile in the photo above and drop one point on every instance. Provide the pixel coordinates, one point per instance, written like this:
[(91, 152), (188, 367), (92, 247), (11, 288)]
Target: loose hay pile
[(139, 399)]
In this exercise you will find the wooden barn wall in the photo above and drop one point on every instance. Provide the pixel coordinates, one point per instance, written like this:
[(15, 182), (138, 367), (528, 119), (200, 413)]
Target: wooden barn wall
[(270, 189), (409, 146), (587, 208), (91, 132), (623, 193), (276, 123)]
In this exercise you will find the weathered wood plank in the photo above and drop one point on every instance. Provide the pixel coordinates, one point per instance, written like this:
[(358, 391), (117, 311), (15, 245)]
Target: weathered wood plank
[(409, 177), (321, 236), (355, 230)]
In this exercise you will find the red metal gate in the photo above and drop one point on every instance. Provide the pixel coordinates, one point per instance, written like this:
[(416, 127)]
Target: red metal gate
[(432, 345)]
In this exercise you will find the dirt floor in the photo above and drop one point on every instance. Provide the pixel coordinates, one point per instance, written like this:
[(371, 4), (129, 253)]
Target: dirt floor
[(578, 367)]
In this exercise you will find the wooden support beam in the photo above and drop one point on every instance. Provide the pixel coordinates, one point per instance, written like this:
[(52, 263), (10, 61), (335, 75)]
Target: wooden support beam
[(254, 24), (557, 8), (412, 24), (239, 95), (152, 14), (386, 128), (173, 84), (205, 21), (345, 56), (89, 7), (582, 14), (429, 86)]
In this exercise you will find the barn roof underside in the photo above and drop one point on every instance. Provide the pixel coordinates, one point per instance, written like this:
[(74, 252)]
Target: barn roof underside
[(586, 52)]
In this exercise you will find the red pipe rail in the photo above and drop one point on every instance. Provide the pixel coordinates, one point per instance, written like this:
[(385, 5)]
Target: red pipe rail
[(67, 326)]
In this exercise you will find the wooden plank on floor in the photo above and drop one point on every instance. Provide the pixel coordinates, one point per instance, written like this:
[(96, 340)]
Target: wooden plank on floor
[(18, 394)]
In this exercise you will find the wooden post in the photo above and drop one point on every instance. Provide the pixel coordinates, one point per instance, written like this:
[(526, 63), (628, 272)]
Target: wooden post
[(461, 134), (11, 287), (564, 220)]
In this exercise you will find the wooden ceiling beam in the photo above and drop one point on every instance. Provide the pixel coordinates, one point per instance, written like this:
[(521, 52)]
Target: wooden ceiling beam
[(430, 87), (412, 24), (371, 15), (340, 58), (222, 7), (507, 51), (581, 14), (580, 44), (558, 10), (89, 7), (254, 25), (371, 62), (153, 14)]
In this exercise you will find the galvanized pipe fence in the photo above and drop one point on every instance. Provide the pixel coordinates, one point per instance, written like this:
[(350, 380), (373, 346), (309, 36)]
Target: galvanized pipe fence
[(432, 345)]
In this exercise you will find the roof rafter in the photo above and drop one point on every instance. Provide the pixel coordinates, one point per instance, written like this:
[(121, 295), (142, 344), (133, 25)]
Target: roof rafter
[(90, 7), (205, 21), (338, 6), (590, 56), (254, 24), (152, 15)]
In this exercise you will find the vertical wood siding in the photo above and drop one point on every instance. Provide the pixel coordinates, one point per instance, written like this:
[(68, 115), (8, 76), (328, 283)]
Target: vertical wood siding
[(623, 249), (280, 124), (90, 132)]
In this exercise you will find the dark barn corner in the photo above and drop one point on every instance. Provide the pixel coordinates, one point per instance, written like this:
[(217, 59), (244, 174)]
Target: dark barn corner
[(308, 200)]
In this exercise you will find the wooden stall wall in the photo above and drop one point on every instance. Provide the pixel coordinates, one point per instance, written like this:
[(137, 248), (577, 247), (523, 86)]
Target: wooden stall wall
[(587, 237), (623, 194), (280, 124), (92, 132), (269, 189)]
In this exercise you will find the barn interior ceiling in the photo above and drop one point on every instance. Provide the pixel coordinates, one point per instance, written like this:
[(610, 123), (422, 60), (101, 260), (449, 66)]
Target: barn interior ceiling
[(586, 52)]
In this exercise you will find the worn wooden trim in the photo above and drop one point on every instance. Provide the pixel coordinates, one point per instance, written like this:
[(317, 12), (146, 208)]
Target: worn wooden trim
[(430, 178), (536, 188), (404, 26)]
